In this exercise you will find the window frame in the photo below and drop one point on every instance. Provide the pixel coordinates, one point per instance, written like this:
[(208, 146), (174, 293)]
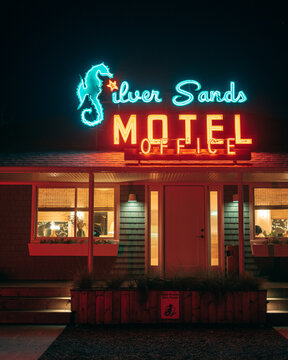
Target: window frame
[(272, 207), (75, 239)]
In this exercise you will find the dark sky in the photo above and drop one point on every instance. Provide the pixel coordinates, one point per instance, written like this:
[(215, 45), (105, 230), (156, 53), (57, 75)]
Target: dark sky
[(45, 46)]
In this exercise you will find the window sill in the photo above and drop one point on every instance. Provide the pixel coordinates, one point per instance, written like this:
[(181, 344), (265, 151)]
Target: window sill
[(37, 249)]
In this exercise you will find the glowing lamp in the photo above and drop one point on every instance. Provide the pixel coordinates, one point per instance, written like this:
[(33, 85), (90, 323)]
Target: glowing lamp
[(132, 197)]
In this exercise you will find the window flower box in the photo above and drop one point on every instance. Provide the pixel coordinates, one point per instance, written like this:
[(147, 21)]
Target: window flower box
[(269, 248), (259, 248), (72, 249), (280, 250)]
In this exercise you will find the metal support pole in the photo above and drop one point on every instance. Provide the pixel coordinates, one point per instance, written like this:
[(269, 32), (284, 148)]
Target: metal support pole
[(240, 224), (91, 225)]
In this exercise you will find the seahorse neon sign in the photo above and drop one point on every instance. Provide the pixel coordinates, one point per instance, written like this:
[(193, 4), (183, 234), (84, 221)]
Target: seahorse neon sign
[(187, 91), (91, 87)]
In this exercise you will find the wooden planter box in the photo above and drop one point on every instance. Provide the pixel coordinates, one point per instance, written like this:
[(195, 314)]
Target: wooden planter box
[(128, 306)]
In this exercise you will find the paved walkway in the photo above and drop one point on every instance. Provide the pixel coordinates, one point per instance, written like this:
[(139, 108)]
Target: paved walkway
[(29, 342), (169, 343), (26, 342)]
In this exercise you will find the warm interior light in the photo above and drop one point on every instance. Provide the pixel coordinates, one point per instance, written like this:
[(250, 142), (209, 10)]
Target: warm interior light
[(132, 197), (54, 227)]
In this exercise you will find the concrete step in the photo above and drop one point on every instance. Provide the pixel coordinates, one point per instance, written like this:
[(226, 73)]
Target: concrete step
[(277, 293), (34, 291), (277, 304), (35, 303), (35, 317)]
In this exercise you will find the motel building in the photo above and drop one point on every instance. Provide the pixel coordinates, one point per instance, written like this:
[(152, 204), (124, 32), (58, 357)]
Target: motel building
[(166, 193)]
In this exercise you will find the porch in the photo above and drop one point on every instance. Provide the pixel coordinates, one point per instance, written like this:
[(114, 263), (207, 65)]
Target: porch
[(49, 302)]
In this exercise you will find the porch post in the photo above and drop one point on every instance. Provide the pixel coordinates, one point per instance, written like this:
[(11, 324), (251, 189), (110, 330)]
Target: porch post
[(240, 224), (91, 225)]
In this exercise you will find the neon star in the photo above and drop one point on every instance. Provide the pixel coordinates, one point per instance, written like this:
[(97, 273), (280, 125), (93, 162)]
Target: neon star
[(112, 85)]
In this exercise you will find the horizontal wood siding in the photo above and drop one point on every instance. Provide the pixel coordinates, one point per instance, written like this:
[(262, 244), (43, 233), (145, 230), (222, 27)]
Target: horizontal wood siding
[(231, 234), (131, 255)]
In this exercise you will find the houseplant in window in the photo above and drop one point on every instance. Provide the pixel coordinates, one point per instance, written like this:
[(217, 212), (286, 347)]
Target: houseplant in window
[(271, 222)]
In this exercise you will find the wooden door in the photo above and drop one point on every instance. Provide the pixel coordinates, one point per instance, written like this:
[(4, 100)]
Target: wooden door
[(185, 235)]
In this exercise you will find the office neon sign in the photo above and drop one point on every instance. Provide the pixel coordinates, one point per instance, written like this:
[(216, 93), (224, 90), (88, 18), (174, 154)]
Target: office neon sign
[(189, 144), (186, 92)]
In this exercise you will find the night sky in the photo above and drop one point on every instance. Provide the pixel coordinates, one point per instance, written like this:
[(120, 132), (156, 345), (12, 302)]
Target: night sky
[(46, 46)]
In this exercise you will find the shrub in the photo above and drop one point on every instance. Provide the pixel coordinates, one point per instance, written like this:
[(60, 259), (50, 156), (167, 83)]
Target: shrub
[(83, 280), (206, 281), (115, 283)]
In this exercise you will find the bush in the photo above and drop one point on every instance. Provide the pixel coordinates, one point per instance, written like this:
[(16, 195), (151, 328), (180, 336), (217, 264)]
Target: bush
[(114, 283), (83, 280), (216, 282), (206, 281)]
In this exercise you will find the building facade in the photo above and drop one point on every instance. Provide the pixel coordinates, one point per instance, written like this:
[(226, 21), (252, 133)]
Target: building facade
[(157, 217)]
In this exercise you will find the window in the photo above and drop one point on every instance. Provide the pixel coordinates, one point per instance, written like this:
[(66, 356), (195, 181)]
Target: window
[(57, 209), (62, 214), (104, 212), (271, 212)]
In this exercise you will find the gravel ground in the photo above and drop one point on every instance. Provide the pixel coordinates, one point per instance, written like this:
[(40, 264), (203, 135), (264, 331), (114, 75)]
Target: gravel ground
[(168, 342)]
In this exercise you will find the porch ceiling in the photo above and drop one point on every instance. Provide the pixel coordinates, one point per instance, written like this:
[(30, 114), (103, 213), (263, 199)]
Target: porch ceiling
[(153, 176), (44, 177), (265, 177)]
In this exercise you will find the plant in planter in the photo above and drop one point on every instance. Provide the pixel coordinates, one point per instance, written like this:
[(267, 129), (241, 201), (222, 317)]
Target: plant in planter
[(83, 280)]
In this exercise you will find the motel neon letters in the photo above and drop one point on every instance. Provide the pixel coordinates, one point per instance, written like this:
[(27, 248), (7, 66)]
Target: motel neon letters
[(189, 143)]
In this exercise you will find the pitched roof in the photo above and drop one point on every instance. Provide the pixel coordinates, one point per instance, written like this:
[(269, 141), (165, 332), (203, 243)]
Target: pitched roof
[(115, 160), (62, 159)]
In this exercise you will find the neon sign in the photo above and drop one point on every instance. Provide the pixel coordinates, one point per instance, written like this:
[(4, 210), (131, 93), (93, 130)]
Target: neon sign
[(91, 87), (160, 134), (206, 96), (187, 144), (187, 91), (125, 95)]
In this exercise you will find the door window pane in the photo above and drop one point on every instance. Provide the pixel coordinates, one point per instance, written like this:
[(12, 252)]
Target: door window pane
[(154, 228), (214, 240)]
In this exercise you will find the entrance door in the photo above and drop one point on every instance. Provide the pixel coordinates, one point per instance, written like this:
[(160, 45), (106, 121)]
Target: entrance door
[(185, 240)]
